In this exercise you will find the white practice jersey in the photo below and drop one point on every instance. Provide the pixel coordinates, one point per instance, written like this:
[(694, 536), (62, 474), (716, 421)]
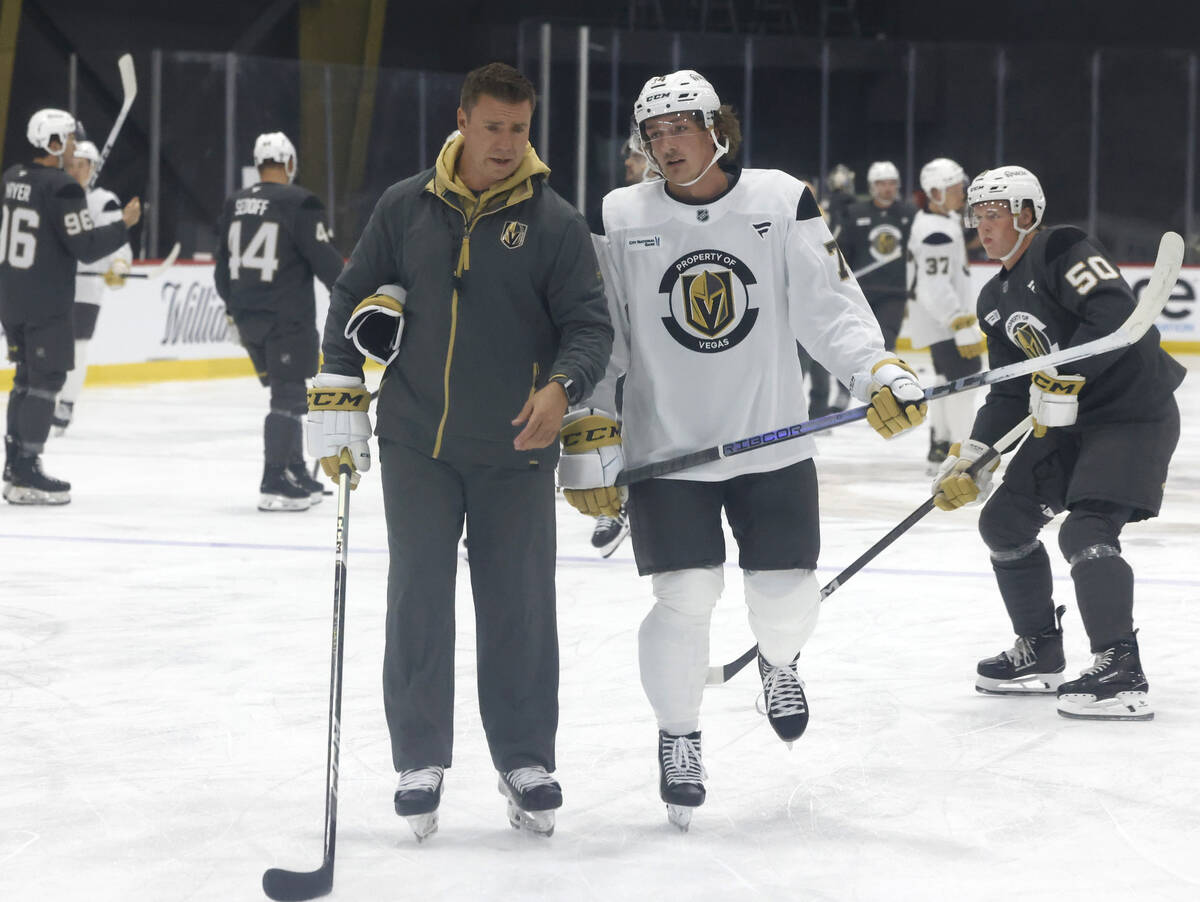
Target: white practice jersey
[(104, 208), (708, 302), (938, 279)]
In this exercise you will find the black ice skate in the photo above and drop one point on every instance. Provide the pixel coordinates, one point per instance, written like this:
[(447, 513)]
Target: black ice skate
[(61, 418), (681, 776), (610, 532), (1033, 666), (10, 452), (279, 492), (783, 700), (315, 488), (532, 797), (938, 452), (27, 484), (418, 795), (1113, 688)]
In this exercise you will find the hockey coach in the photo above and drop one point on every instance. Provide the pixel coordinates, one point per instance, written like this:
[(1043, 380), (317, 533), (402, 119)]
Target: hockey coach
[(478, 287)]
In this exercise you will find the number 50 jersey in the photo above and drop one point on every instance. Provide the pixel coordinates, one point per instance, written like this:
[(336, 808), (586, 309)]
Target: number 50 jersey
[(273, 240), (707, 303)]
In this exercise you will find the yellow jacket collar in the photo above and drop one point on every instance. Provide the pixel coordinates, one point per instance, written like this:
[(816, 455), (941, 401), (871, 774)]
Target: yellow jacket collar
[(445, 179)]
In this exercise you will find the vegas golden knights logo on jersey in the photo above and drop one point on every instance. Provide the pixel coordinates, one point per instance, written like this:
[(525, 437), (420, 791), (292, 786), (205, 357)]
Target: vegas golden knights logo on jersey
[(1028, 333), (513, 234), (709, 301)]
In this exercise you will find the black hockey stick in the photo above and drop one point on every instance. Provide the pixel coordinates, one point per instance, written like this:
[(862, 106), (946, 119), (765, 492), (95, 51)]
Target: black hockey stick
[(153, 273), (1154, 296), (721, 674), (278, 883)]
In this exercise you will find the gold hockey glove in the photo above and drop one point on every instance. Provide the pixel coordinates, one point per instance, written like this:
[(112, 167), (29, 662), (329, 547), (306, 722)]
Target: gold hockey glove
[(338, 421), (897, 400), (1053, 400), (591, 459)]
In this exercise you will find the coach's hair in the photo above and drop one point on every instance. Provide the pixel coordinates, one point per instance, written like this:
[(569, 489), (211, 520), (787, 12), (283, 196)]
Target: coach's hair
[(498, 80)]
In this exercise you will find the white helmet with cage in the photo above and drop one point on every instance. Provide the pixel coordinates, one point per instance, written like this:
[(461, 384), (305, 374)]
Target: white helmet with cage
[(49, 125), (882, 171), (86, 150), (1011, 185), (685, 91), (940, 174), (274, 147)]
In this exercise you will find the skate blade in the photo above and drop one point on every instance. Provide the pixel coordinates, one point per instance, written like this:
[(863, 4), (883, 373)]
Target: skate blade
[(1031, 684), (19, 494), (272, 503), (1123, 706), (539, 822), (680, 816), (423, 825)]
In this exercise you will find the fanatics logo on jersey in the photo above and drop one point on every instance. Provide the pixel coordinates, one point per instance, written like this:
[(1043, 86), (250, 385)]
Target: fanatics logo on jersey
[(1032, 286), (702, 215), (1028, 333), (708, 301), (762, 228), (512, 236)]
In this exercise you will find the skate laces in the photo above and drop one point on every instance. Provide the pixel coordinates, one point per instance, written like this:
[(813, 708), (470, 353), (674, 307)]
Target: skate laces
[(1100, 661), (424, 779), (1022, 653), (525, 778), (681, 762), (783, 692)]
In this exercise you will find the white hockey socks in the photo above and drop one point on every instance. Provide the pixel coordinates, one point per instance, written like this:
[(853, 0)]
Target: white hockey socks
[(783, 609)]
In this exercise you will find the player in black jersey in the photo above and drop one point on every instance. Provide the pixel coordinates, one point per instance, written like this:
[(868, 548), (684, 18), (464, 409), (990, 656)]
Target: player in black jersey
[(45, 229), (874, 238), (1103, 437), (274, 239)]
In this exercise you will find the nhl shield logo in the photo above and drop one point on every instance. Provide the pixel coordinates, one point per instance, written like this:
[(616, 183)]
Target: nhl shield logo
[(512, 236)]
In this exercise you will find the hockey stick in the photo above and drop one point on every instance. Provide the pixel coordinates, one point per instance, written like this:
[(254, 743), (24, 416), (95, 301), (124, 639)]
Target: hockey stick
[(871, 267), (152, 273), (129, 90), (721, 674), (1154, 296), (295, 885)]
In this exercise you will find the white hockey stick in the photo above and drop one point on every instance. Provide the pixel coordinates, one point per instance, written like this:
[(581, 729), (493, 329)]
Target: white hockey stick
[(129, 91), (152, 273), (1154, 297), (871, 267)]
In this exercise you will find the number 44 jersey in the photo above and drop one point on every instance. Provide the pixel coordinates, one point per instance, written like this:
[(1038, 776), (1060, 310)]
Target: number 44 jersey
[(45, 227), (273, 240)]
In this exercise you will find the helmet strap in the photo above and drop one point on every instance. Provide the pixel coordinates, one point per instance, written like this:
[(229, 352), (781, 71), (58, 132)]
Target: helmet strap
[(721, 149)]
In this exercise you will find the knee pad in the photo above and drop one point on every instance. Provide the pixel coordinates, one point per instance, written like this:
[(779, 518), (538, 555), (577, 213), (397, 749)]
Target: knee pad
[(290, 399), (782, 609), (46, 385), (1091, 532), (692, 592), (1011, 522)]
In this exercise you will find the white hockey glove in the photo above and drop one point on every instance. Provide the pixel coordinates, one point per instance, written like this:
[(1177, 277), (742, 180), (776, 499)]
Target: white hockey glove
[(1053, 400), (338, 422), (231, 331), (591, 459), (897, 399), (117, 272), (952, 487), (377, 324), (967, 337)]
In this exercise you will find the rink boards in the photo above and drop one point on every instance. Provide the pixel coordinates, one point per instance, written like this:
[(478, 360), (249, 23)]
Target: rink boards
[(173, 326)]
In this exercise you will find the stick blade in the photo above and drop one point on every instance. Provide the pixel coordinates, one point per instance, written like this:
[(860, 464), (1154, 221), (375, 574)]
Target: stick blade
[(294, 886), (128, 78)]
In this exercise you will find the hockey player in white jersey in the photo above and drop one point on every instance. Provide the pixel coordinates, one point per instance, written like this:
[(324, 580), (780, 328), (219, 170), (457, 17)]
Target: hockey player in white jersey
[(713, 273), (941, 308), (104, 208)]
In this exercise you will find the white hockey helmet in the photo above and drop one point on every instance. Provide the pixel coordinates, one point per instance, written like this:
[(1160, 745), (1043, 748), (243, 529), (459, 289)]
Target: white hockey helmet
[(49, 125), (882, 171), (679, 92), (840, 178), (940, 174), (86, 150), (1011, 184), (274, 147)]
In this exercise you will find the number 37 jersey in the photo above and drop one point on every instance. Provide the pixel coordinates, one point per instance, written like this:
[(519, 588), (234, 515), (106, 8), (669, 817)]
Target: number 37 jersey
[(708, 302), (273, 240)]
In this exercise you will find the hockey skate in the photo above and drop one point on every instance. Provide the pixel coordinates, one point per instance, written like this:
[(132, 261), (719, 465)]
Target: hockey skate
[(783, 700), (418, 795), (27, 484), (1033, 666), (61, 417), (610, 532), (680, 776), (532, 797), (10, 452), (279, 492), (1113, 688), (315, 488), (938, 452)]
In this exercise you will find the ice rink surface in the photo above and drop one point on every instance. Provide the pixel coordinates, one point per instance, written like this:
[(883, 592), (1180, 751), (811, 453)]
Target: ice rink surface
[(164, 661)]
